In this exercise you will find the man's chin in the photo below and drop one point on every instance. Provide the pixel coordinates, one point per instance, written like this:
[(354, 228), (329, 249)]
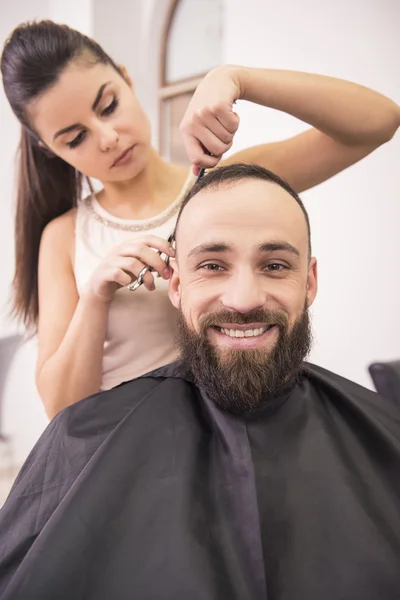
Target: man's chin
[(240, 373)]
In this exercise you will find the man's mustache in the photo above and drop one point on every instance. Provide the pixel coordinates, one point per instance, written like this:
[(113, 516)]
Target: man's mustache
[(269, 317)]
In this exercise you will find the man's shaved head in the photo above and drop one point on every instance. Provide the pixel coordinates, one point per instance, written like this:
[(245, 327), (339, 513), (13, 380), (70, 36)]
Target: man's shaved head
[(228, 176)]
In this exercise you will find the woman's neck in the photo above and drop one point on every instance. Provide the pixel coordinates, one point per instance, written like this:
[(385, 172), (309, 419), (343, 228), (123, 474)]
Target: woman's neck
[(148, 194)]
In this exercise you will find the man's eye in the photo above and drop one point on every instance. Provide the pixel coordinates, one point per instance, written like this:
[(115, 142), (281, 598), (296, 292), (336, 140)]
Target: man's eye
[(110, 108), (276, 267), (211, 267), (76, 141)]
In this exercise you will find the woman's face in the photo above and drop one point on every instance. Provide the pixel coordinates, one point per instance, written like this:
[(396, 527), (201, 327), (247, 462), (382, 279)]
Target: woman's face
[(91, 119)]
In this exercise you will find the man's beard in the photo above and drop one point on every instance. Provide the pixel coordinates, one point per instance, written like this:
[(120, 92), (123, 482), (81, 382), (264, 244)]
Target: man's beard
[(241, 381)]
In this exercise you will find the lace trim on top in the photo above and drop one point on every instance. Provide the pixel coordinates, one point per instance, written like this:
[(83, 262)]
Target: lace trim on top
[(109, 220)]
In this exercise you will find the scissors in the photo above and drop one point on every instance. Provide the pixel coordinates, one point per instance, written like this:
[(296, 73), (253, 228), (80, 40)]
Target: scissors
[(139, 280)]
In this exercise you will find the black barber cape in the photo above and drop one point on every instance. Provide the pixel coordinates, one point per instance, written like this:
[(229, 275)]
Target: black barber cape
[(150, 492)]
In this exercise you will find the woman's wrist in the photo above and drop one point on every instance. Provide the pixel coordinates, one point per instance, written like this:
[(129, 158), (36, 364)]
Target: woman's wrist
[(88, 299)]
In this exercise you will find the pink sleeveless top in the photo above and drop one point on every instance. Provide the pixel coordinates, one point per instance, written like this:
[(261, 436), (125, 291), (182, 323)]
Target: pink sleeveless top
[(142, 324)]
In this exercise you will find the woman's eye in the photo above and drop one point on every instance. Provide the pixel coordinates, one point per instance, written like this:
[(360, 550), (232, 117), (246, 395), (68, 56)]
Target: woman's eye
[(76, 141), (110, 108)]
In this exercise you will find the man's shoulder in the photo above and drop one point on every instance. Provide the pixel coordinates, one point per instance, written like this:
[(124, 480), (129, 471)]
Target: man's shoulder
[(115, 418), (112, 405), (320, 375), (80, 429), (357, 399)]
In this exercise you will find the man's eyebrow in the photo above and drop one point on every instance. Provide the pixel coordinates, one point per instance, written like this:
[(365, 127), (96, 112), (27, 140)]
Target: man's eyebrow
[(211, 247), (94, 106), (279, 246)]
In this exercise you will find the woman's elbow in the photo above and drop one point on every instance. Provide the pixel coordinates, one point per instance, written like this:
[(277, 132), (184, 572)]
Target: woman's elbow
[(50, 399), (389, 124)]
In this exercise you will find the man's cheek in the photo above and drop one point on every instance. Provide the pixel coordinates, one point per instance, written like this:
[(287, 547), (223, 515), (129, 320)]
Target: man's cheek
[(188, 314)]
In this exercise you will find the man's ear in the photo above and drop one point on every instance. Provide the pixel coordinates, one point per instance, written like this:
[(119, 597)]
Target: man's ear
[(125, 75), (312, 281), (174, 290)]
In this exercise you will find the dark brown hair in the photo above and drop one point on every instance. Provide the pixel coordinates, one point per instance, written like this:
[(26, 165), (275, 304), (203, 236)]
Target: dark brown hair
[(224, 176), (34, 56)]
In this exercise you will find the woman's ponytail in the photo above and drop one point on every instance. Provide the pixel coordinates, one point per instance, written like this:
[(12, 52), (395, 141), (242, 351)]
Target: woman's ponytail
[(47, 188)]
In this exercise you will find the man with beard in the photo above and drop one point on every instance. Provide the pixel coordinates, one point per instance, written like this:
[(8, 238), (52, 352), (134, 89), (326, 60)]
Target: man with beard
[(240, 473), (243, 315)]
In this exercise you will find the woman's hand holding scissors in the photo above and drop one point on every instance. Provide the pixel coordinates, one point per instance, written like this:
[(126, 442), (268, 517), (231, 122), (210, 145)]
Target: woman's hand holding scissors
[(123, 264)]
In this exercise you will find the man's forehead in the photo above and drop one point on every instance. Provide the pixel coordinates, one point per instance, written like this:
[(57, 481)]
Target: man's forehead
[(250, 208)]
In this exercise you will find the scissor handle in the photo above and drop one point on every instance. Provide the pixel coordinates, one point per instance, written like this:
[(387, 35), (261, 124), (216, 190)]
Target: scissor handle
[(132, 287), (139, 280)]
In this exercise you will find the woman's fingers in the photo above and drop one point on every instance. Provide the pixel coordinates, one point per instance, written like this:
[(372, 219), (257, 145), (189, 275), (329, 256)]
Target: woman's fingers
[(127, 270), (209, 129), (125, 262), (135, 247)]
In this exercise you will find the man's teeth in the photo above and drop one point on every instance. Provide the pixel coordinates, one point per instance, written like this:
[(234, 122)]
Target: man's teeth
[(239, 333)]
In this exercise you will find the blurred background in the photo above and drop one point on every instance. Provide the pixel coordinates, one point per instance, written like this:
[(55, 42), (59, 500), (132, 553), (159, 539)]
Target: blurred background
[(166, 46)]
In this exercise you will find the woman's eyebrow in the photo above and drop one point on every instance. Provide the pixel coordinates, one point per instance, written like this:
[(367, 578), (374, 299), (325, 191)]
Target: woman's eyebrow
[(94, 106)]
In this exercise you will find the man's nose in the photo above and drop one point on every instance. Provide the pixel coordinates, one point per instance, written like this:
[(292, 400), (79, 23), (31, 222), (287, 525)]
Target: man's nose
[(244, 292)]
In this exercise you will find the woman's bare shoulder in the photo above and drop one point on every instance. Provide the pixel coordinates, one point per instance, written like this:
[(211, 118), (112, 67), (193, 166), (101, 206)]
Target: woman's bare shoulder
[(59, 234)]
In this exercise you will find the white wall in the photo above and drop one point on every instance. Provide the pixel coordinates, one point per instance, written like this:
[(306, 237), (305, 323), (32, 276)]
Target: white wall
[(75, 13), (354, 217), (117, 26)]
